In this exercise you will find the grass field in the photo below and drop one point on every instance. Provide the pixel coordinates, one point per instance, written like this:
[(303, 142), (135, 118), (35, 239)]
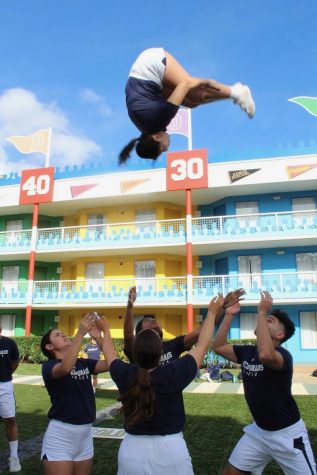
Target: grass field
[(214, 425)]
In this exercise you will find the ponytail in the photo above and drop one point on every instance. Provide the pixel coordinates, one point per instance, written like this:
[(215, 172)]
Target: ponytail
[(145, 146), (125, 152), (138, 401)]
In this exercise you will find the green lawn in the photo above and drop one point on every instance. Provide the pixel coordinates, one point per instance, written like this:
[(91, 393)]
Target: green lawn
[(214, 425), (26, 369)]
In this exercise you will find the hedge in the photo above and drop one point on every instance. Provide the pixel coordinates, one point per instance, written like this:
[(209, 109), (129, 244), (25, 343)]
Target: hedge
[(30, 351)]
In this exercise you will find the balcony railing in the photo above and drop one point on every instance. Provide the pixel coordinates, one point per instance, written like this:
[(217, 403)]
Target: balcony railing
[(211, 229), (289, 286), (15, 240), (116, 234), (270, 224)]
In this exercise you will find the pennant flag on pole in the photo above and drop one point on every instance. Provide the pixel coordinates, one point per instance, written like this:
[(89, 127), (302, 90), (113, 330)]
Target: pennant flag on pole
[(39, 142), (180, 123), (308, 103)]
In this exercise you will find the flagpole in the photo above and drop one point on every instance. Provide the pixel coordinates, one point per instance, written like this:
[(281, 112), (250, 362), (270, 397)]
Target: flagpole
[(189, 245), (48, 153)]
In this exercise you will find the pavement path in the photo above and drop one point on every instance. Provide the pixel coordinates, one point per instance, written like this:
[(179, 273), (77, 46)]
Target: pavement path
[(303, 383)]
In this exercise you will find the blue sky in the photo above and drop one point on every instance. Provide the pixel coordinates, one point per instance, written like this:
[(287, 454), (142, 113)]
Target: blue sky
[(65, 64)]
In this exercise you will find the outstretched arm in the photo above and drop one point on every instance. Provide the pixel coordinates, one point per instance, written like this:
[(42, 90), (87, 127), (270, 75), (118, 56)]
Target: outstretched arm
[(66, 365), (191, 338), (108, 348), (205, 336), (266, 349), (220, 345), (128, 333)]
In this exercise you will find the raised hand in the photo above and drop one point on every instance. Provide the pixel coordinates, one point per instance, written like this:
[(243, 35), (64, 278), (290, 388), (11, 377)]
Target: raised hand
[(102, 323), (266, 302), (235, 308), (232, 297), (132, 296), (86, 324), (216, 304)]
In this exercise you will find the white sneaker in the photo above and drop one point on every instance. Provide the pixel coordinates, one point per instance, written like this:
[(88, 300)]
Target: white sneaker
[(242, 96), (14, 464)]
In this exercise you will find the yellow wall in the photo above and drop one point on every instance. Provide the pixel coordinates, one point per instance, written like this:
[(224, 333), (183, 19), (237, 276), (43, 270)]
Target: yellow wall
[(173, 323)]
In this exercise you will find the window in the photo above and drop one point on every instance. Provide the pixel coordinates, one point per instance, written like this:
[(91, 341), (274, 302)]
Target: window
[(14, 225), (94, 219), (247, 325), (145, 215), (138, 318), (144, 272), (94, 272), (252, 266), (247, 207), (304, 204), (10, 277), (8, 324), (308, 330), (306, 264)]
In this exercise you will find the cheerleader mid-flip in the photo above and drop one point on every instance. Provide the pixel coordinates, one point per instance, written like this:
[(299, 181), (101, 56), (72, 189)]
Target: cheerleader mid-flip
[(156, 87)]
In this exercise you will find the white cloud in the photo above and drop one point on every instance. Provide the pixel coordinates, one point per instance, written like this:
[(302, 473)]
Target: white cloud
[(21, 113), (89, 96)]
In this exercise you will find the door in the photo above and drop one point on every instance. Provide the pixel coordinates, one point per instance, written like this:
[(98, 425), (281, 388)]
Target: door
[(249, 268)]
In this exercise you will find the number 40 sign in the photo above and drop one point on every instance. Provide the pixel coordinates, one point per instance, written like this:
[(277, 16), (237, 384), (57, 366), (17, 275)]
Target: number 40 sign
[(37, 186), (187, 170)]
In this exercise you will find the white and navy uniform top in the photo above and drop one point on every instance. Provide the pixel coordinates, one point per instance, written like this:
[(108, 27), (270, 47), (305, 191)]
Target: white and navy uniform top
[(93, 351), (147, 108), (168, 383), (171, 350), (268, 391), (72, 396), (8, 353)]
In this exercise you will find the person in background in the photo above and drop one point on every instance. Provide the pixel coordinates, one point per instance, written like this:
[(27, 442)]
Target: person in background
[(9, 361), (93, 351), (171, 349)]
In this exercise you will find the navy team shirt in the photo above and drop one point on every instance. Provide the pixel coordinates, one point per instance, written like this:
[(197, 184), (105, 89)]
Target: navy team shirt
[(147, 108), (168, 383), (8, 353), (93, 351), (72, 396), (268, 391), (171, 350)]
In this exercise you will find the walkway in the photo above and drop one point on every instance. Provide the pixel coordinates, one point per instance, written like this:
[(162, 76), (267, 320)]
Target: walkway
[(303, 383)]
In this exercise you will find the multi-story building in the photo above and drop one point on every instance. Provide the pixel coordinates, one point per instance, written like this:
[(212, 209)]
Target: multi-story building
[(254, 226)]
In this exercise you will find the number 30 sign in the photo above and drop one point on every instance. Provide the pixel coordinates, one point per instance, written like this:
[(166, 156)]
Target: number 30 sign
[(37, 186), (187, 170)]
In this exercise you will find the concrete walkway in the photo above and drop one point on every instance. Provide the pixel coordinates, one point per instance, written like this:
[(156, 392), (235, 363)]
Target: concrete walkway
[(303, 383)]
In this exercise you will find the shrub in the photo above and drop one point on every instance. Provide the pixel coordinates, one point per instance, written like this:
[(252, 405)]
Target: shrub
[(30, 349)]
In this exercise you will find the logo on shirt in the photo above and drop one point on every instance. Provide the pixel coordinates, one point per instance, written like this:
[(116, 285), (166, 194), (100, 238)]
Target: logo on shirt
[(4, 352), (252, 369), (166, 357), (80, 374)]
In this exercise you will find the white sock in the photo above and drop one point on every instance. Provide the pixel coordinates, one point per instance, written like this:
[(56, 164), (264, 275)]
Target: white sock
[(13, 444), (236, 90)]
